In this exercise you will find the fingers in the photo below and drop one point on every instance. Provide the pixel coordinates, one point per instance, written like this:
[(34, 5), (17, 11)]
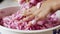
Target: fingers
[(46, 9), (27, 19), (40, 16), (54, 4), (30, 17), (42, 10), (41, 13), (30, 11)]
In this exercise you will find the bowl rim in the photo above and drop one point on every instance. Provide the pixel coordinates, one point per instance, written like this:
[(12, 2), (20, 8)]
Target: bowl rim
[(27, 31)]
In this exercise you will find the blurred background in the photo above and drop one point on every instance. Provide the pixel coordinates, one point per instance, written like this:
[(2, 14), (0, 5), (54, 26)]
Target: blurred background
[(7, 3)]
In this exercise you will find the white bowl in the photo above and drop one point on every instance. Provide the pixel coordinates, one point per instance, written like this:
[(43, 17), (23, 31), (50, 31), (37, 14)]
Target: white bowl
[(10, 10)]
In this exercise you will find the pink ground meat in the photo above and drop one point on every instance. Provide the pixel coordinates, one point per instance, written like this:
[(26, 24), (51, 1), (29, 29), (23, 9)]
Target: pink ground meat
[(13, 22)]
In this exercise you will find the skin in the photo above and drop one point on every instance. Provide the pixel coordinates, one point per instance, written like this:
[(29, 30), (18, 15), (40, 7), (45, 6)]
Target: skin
[(33, 12), (30, 11), (30, 15), (47, 7)]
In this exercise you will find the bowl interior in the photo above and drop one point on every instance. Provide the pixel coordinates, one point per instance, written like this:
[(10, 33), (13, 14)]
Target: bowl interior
[(10, 10)]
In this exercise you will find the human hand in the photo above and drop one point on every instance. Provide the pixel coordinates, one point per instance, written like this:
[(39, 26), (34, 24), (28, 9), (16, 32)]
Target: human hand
[(47, 7)]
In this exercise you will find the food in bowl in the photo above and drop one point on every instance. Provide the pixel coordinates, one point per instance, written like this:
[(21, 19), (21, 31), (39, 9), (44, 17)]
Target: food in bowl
[(13, 21)]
